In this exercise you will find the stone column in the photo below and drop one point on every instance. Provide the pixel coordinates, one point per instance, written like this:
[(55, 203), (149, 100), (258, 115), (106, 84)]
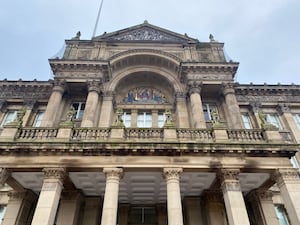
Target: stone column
[(18, 208), (172, 176), (263, 207), (289, 184), (214, 208), (69, 208), (181, 110), (286, 114), (232, 107), (106, 110), (110, 204), (54, 104), (196, 105), (91, 105), (47, 205), (233, 197)]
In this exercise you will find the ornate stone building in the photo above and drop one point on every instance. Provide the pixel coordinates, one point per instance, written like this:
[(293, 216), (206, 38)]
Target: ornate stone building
[(147, 126)]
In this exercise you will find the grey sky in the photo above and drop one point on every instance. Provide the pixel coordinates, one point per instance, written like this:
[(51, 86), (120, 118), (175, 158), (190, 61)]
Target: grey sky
[(263, 35)]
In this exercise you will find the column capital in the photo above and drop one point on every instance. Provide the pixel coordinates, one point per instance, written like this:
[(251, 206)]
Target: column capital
[(108, 95), (230, 180), (172, 173), (228, 88), (54, 173), (283, 108), (280, 176), (180, 96), (112, 172), (94, 85), (195, 87), (4, 175), (59, 86)]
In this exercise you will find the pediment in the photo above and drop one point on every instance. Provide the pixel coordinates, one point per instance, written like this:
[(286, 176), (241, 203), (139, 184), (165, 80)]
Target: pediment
[(146, 33)]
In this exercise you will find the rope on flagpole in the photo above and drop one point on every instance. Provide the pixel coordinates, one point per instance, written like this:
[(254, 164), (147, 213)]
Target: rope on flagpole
[(97, 20)]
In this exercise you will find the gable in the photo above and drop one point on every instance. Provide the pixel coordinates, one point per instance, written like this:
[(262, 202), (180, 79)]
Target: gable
[(146, 33)]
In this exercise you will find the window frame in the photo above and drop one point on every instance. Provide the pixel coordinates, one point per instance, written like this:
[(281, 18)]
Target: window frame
[(281, 214), (6, 120), (207, 109), (143, 123), (79, 111), (38, 119), (246, 116), (296, 117), (276, 122), (127, 119)]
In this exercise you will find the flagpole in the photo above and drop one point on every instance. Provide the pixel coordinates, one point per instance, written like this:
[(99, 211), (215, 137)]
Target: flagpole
[(97, 20)]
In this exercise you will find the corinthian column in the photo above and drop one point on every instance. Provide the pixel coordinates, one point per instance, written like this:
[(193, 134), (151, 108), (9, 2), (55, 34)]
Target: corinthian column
[(53, 105), (49, 197), (233, 110), (289, 184), (233, 197), (91, 105), (110, 204), (196, 105), (172, 176)]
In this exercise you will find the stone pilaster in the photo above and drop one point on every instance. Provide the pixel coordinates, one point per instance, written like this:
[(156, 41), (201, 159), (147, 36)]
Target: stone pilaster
[(172, 176), (29, 106), (232, 106), (54, 104), (19, 207), (49, 196), (110, 204), (91, 105), (289, 184), (214, 207), (181, 110), (255, 108), (233, 197), (106, 110), (69, 208), (196, 105)]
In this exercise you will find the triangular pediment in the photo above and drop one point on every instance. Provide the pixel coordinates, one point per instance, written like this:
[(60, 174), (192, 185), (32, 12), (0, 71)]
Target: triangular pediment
[(146, 33)]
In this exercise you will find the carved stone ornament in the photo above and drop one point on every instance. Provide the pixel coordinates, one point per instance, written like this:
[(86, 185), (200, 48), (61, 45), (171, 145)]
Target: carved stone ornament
[(255, 106), (194, 87), (286, 175), (113, 173), (94, 86), (54, 173), (146, 34), (282, 108), (229, 174), (228, 88), (172, 173)]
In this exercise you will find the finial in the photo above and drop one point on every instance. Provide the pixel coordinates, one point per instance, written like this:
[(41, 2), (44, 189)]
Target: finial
[(211, 38), (77, 37), (145, 21)]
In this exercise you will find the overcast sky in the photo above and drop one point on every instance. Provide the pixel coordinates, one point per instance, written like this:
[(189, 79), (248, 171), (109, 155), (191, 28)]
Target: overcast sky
[(263, 35)]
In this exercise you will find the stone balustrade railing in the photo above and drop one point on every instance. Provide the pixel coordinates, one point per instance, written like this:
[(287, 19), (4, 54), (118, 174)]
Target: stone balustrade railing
[(246, 135), (91, 133), (144, 133), (195, 134), (36, 133)]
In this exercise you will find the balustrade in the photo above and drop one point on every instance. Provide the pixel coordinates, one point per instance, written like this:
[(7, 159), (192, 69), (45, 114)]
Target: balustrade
[(246, 135), (144, 133), (91, 134), (37, 133), (195, 134)]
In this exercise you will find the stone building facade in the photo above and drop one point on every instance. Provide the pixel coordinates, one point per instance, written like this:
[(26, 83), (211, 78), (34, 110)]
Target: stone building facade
[(147, 126)]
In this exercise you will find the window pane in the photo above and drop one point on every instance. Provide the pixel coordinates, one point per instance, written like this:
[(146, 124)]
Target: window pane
[(207, 111), (246, 121), (2, 212), (297, 120), (161, 119), (79, 109), (126, 119), (281, 215), (38, 119), (10, 116), (144, 120), (274, 120)]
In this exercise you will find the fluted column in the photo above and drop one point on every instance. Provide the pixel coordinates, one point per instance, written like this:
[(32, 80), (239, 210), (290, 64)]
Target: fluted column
[(181, 110), (289, 184), (54, 104), (232, 106), (110, 204), (91, 105), (172, 176), (106, 110), (49, 196), (233, 197), (196, 105)]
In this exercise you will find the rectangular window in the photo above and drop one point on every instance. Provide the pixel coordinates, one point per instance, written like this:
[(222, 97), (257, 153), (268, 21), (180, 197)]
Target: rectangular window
[(281, 215), (144, 119), (79, 109), (161, 119), (273, 119), (208, 109), (297, 120), (142, 215), (126, 119), (38, 119), (246, 120), (9, 117)]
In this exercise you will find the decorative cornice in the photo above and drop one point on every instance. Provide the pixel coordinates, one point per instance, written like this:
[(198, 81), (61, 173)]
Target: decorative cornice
[(54, 173), (78, 65), (172, 173), (198, 67)]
